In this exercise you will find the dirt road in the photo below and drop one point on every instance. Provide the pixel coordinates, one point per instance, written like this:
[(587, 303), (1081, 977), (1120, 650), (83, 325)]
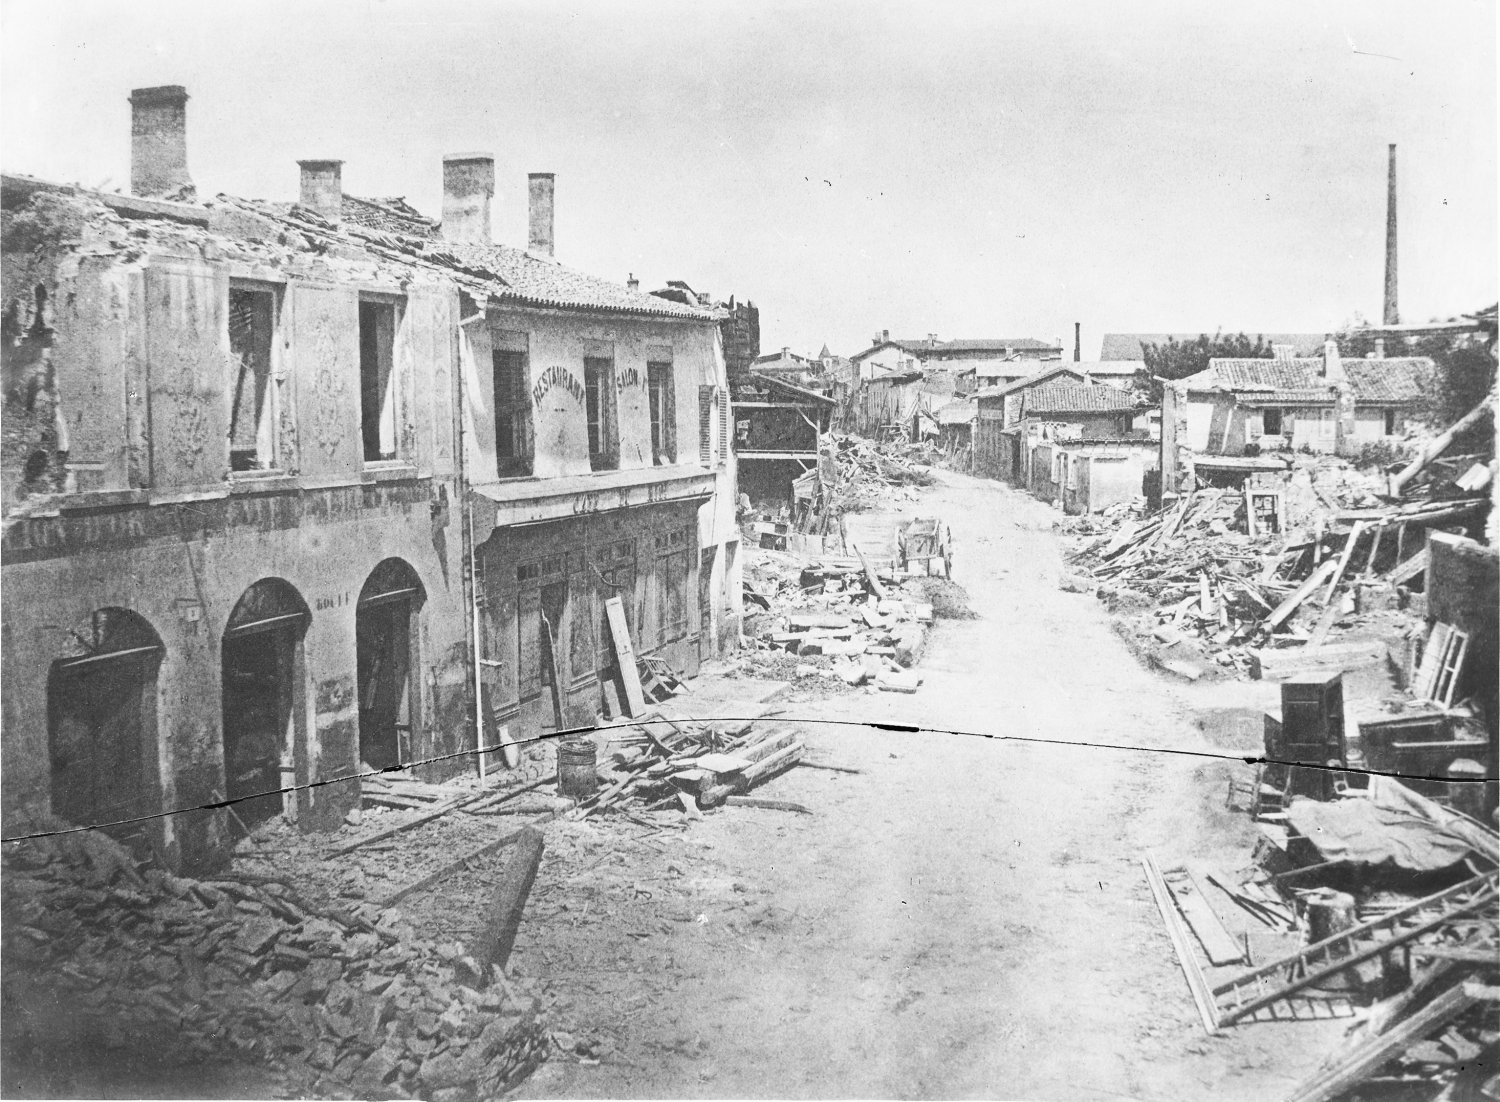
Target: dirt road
[(965, 918)]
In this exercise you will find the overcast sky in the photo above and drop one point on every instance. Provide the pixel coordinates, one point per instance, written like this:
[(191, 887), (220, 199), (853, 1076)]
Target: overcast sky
[(998, 169)]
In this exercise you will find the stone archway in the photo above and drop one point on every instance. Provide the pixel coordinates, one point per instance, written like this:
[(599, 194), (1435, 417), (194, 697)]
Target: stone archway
[(386, 640), (263, 698), (101, 723)]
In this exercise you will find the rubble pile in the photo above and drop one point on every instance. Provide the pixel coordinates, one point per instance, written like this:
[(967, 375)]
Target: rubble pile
[(844, 622), (871, 475), (343, 1001), (1245, 597)]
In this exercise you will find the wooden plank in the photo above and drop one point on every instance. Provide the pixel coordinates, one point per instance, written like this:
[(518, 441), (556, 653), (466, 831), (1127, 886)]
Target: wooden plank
[(1349, 546), (1300, 594), (426, 817), (630, 677), (769, 805), (1202, 996), (498, 937), (1408, 570), (1205, 923), (447, 870), (875, 586), (1366, 1059)]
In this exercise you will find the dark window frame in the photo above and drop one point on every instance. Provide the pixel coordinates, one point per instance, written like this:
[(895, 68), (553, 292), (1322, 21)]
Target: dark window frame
[(603, 425), (263, 454), (662, 392), (514, 442), (377, 366)]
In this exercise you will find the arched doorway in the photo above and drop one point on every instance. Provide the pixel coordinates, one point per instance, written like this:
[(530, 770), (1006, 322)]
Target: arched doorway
[(101, 723), (385, 633), (263, 697)]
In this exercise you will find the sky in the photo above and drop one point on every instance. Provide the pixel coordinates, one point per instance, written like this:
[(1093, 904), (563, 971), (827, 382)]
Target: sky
[(969, 170)]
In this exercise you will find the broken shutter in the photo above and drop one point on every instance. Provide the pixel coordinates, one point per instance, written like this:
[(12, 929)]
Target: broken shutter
[(706, 425), (324, 349)]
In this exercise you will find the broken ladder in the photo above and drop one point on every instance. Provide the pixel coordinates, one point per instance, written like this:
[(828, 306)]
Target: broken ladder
[(1273, 991)]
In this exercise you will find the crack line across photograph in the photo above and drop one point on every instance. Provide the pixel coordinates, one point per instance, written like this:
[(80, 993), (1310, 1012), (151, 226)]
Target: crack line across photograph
[(448, 653)]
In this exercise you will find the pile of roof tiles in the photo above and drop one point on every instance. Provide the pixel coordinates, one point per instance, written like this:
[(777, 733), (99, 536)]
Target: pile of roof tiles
[(341, 1001)]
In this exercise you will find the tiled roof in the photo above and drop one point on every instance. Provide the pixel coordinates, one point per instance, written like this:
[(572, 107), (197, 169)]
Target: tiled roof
[(1397, 379), (1076, 398), (1110, 367), (1039, 377), (1127, 346), (921, 346)]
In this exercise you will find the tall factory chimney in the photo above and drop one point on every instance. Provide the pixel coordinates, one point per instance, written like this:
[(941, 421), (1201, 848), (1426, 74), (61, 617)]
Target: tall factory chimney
[(1391, 316)]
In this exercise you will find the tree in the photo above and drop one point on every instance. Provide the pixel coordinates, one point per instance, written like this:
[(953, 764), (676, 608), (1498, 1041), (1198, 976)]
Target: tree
[(1175, 359)]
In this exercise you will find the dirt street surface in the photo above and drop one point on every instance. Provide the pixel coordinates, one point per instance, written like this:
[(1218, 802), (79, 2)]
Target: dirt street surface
[(966, 918)]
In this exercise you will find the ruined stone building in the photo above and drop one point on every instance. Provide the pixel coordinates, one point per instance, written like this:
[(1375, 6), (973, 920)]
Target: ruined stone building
[(294, 488)]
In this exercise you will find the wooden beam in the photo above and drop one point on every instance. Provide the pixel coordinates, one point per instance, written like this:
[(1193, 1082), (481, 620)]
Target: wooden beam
[(1202, 996), (426, 817), (498, 937), (451, 867), (630, 677), (1300, 594), (1359, 1064), (1438, 446)]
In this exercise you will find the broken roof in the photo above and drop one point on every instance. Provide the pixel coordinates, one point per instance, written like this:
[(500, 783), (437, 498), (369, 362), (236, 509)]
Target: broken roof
[(810, 396), (1399, 379), (1038, 378), (513, 276), (1077, 398)]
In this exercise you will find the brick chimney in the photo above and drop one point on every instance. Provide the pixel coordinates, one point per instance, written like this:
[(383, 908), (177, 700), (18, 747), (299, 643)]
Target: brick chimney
[(158, 143), (539, 186), (1390, 315), (468, 185), (322, 189), (1077, 341), (633, 283)]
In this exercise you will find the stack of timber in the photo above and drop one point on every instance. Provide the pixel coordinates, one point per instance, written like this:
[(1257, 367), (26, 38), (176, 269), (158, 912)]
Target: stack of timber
[(672, 764)]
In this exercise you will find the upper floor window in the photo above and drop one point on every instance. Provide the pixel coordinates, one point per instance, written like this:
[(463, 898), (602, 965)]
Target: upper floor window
[(513, 446), (599, 396), (252, 410), (663, 413), (377, 378)]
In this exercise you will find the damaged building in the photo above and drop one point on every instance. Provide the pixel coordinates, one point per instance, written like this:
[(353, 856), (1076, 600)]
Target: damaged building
[(293, 490)]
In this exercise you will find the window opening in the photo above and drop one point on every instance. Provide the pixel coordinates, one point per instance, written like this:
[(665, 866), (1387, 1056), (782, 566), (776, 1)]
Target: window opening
[(377, 379), (252, 415), (1271, 419), (513, 446), (663, 414), (599, 395)]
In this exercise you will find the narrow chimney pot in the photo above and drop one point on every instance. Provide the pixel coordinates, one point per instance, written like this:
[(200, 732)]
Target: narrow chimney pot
[(468, 186), (158, 142), (541, 189), (322, 188)]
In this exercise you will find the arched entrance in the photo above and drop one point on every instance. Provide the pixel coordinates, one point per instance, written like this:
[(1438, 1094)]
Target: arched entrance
[(385, 633), (264, 704), (101, 723)]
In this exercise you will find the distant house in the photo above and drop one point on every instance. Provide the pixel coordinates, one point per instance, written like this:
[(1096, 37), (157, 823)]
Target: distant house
[(1323, 404), (956, 430), (1064, 438), (1007, 399), (885, 405), (906, 354), (1128, 346)]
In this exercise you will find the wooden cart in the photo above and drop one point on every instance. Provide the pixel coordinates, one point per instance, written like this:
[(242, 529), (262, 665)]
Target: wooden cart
[(926, 541)]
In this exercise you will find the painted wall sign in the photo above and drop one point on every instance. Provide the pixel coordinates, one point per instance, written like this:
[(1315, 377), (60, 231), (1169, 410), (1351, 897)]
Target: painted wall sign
[(631, 376), (556, 376)]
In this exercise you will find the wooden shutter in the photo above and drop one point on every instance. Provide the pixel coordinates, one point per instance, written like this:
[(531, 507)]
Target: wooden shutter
[(724, 427), (706, 425)]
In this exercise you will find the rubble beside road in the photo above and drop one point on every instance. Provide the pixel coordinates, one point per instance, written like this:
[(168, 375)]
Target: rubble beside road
[(338, 1000), (1204, 585)]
